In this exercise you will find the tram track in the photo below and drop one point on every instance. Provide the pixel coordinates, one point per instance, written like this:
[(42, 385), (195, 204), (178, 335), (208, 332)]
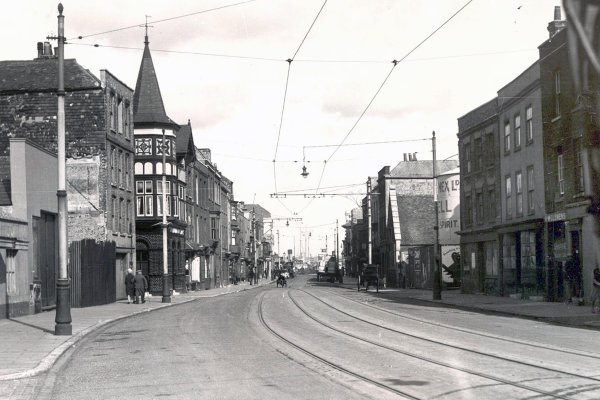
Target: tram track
[(469, 331), (433, 361), (322, 360)]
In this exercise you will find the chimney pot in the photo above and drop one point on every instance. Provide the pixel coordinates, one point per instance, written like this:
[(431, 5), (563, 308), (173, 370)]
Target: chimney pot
[(557, 14), (47, 49), (415, 156), (555, 26), (405, 157), (40, 49)]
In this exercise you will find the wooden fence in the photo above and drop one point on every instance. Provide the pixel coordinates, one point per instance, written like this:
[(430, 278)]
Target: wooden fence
[(92, 272)]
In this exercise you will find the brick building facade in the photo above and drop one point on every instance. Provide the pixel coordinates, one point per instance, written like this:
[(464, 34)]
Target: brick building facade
[(99, 153)]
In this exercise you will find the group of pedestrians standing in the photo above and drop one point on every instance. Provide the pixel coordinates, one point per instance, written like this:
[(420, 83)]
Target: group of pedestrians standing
[(135, 286)]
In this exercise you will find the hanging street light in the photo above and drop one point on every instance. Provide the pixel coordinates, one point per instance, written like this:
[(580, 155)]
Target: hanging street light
[(304, 173)]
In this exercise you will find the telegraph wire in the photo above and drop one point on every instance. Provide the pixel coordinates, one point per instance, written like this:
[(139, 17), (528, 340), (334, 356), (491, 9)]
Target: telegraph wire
[(163, 20), (395, 63)]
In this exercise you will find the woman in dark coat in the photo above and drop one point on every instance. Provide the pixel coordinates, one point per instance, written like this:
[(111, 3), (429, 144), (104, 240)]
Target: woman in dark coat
[(130, 286)]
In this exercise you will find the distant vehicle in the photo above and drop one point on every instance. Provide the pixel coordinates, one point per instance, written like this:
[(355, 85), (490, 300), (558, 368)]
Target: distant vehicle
[(369, 277), (329, 271)]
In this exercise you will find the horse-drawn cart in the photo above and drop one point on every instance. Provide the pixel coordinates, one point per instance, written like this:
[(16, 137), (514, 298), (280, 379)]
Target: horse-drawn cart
[(368, 277)]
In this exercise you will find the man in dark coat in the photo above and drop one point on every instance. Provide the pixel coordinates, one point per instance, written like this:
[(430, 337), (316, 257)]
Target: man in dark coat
[(573, 271), (141, 285), (130, 286)]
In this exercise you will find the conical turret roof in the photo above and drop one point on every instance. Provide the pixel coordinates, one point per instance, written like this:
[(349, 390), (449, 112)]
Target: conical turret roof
[(148, 107)]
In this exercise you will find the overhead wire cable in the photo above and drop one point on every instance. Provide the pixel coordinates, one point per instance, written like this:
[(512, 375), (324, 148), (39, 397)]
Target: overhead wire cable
[(395, 63), (179, 52), (287, 80), (256, 58), (163, 20)]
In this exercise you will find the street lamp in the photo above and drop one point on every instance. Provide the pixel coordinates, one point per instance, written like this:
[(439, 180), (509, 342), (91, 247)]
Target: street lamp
[(63, 283), (304, 173), (166, 295)]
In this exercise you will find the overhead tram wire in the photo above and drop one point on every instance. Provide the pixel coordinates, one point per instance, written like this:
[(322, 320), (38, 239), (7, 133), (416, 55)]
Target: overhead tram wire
[(287, 80), (256, 58), (163, 20), (180, 52), (395, 63)]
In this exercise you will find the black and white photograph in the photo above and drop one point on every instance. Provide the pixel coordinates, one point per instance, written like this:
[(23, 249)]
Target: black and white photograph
[(300, 199)]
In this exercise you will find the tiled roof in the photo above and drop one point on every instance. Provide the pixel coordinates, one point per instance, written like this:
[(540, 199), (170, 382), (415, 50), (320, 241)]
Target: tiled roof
[(42, 75), (148, 105), (422, 168), (5, 195)]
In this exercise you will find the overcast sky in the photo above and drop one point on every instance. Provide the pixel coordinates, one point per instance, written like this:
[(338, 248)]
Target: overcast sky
[(234, 97)]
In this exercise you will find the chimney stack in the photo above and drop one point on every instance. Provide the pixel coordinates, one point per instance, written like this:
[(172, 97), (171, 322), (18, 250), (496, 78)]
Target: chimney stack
[(40, 49), (405, 157), (47, 49), (415, 156), (555, 26)]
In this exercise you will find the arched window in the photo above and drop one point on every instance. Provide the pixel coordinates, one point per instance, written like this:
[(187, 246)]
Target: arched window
[(168, 169), (139, 168), (148, 168), (159, 169)]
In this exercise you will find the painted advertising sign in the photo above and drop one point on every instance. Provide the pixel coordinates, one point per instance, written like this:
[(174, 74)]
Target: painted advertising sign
[(449, 207)]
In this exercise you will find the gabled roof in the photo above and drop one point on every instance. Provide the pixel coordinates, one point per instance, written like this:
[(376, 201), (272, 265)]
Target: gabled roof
[(41, 75), (148, 107), (184, 142)]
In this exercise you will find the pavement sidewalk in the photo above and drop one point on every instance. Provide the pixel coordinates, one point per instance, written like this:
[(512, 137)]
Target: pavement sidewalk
[(553, 312), (29, 347)]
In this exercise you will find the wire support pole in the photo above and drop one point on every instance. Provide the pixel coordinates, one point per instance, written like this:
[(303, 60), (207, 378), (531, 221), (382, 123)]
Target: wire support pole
[(369, 239), (166, 293), (437, 278), (63, 283)]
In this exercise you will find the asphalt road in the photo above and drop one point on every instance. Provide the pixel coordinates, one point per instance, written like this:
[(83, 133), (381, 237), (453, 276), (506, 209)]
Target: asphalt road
[(318, 341)]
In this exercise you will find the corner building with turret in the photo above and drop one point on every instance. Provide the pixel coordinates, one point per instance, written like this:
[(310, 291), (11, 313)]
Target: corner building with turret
[(155, 133)]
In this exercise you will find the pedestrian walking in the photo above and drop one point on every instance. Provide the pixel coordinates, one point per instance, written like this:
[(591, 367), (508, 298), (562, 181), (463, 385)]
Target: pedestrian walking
[(596, 294), (141, 285), (573, 272), (130, 286)]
